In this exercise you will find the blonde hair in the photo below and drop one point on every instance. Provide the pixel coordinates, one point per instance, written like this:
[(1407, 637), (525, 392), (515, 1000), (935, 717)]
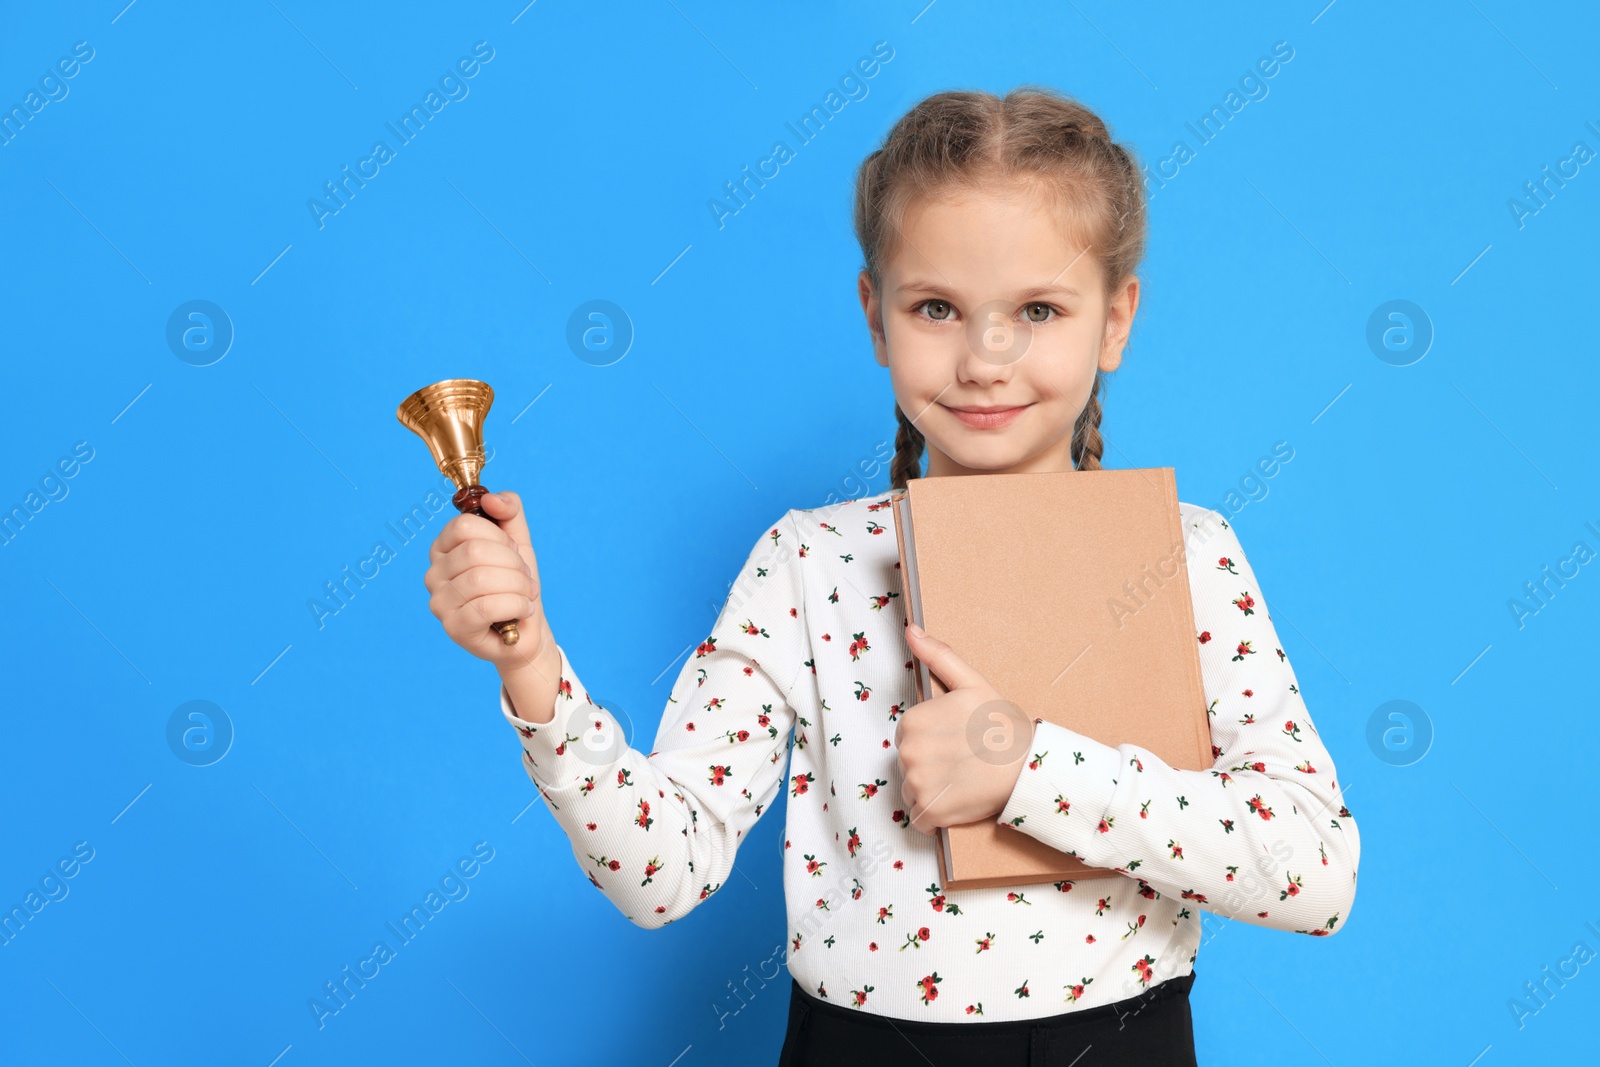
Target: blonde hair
[(965, 140)]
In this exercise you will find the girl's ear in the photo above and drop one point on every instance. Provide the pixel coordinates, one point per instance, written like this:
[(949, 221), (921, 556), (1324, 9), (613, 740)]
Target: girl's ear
[(1119, 323), (874, 313)]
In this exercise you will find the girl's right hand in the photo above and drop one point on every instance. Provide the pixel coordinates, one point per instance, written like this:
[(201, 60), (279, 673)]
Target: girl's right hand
[(482, 573)]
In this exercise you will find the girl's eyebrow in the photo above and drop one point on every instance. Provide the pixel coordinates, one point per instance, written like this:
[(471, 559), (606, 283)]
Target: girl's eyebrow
[(1036, 291)]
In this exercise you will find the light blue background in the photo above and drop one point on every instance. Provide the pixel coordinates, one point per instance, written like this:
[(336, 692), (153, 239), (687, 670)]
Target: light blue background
[(370, 753)]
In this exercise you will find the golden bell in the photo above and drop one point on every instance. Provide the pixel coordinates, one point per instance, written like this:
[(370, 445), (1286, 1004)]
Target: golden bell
[(449, 417)]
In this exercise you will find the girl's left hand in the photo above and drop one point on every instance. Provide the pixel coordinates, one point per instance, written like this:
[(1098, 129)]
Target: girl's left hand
[(960, 752)]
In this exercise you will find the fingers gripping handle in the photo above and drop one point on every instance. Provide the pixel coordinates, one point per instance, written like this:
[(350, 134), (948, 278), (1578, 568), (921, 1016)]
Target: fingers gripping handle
[(466, 501)]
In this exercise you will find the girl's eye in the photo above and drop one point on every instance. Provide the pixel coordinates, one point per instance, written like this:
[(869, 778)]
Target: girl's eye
[(936, 303), (1039, 307)]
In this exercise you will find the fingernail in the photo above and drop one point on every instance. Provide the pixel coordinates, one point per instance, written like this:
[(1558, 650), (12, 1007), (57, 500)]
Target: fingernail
[(915, 630)]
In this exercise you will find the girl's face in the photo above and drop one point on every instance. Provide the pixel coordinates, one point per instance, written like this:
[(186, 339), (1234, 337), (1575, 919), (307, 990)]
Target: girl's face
[(987, 305)]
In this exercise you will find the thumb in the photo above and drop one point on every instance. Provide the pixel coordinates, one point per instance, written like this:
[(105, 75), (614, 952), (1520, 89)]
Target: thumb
[(505, 508), (942, 660)]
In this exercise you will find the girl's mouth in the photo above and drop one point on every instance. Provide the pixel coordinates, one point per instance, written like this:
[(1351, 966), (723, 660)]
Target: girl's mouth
[(987, 418)]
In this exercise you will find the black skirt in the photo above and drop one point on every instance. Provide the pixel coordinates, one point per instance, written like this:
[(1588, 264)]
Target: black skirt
[(1152, 1029)]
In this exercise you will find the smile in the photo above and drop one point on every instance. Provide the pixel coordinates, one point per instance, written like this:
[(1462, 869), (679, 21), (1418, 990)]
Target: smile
[(987, 419)]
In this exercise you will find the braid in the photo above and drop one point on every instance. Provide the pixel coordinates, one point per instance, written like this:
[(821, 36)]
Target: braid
[(1087, 444), (908, 442)]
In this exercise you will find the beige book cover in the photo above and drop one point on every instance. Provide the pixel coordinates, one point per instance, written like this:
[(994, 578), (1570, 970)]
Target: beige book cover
[(1069, 592)]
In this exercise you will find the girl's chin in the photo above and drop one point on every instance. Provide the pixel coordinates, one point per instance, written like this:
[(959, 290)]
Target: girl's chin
[(989, 455)]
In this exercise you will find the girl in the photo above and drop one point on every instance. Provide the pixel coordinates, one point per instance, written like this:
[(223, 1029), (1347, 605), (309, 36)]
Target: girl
[(1000, 237)]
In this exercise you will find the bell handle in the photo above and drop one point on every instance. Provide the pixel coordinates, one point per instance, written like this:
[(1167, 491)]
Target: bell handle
[(466, 502)]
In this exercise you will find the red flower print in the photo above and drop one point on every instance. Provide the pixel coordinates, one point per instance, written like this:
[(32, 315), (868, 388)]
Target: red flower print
[(929, 986), (718, 771), (939, 902), (1205, 637)]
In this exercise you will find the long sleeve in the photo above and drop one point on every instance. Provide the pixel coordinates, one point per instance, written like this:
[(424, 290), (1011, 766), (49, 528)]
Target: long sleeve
[(657, 834), (1263, 835)]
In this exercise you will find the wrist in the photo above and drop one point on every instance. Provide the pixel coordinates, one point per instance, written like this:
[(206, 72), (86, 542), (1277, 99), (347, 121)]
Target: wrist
[(533, 685)]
